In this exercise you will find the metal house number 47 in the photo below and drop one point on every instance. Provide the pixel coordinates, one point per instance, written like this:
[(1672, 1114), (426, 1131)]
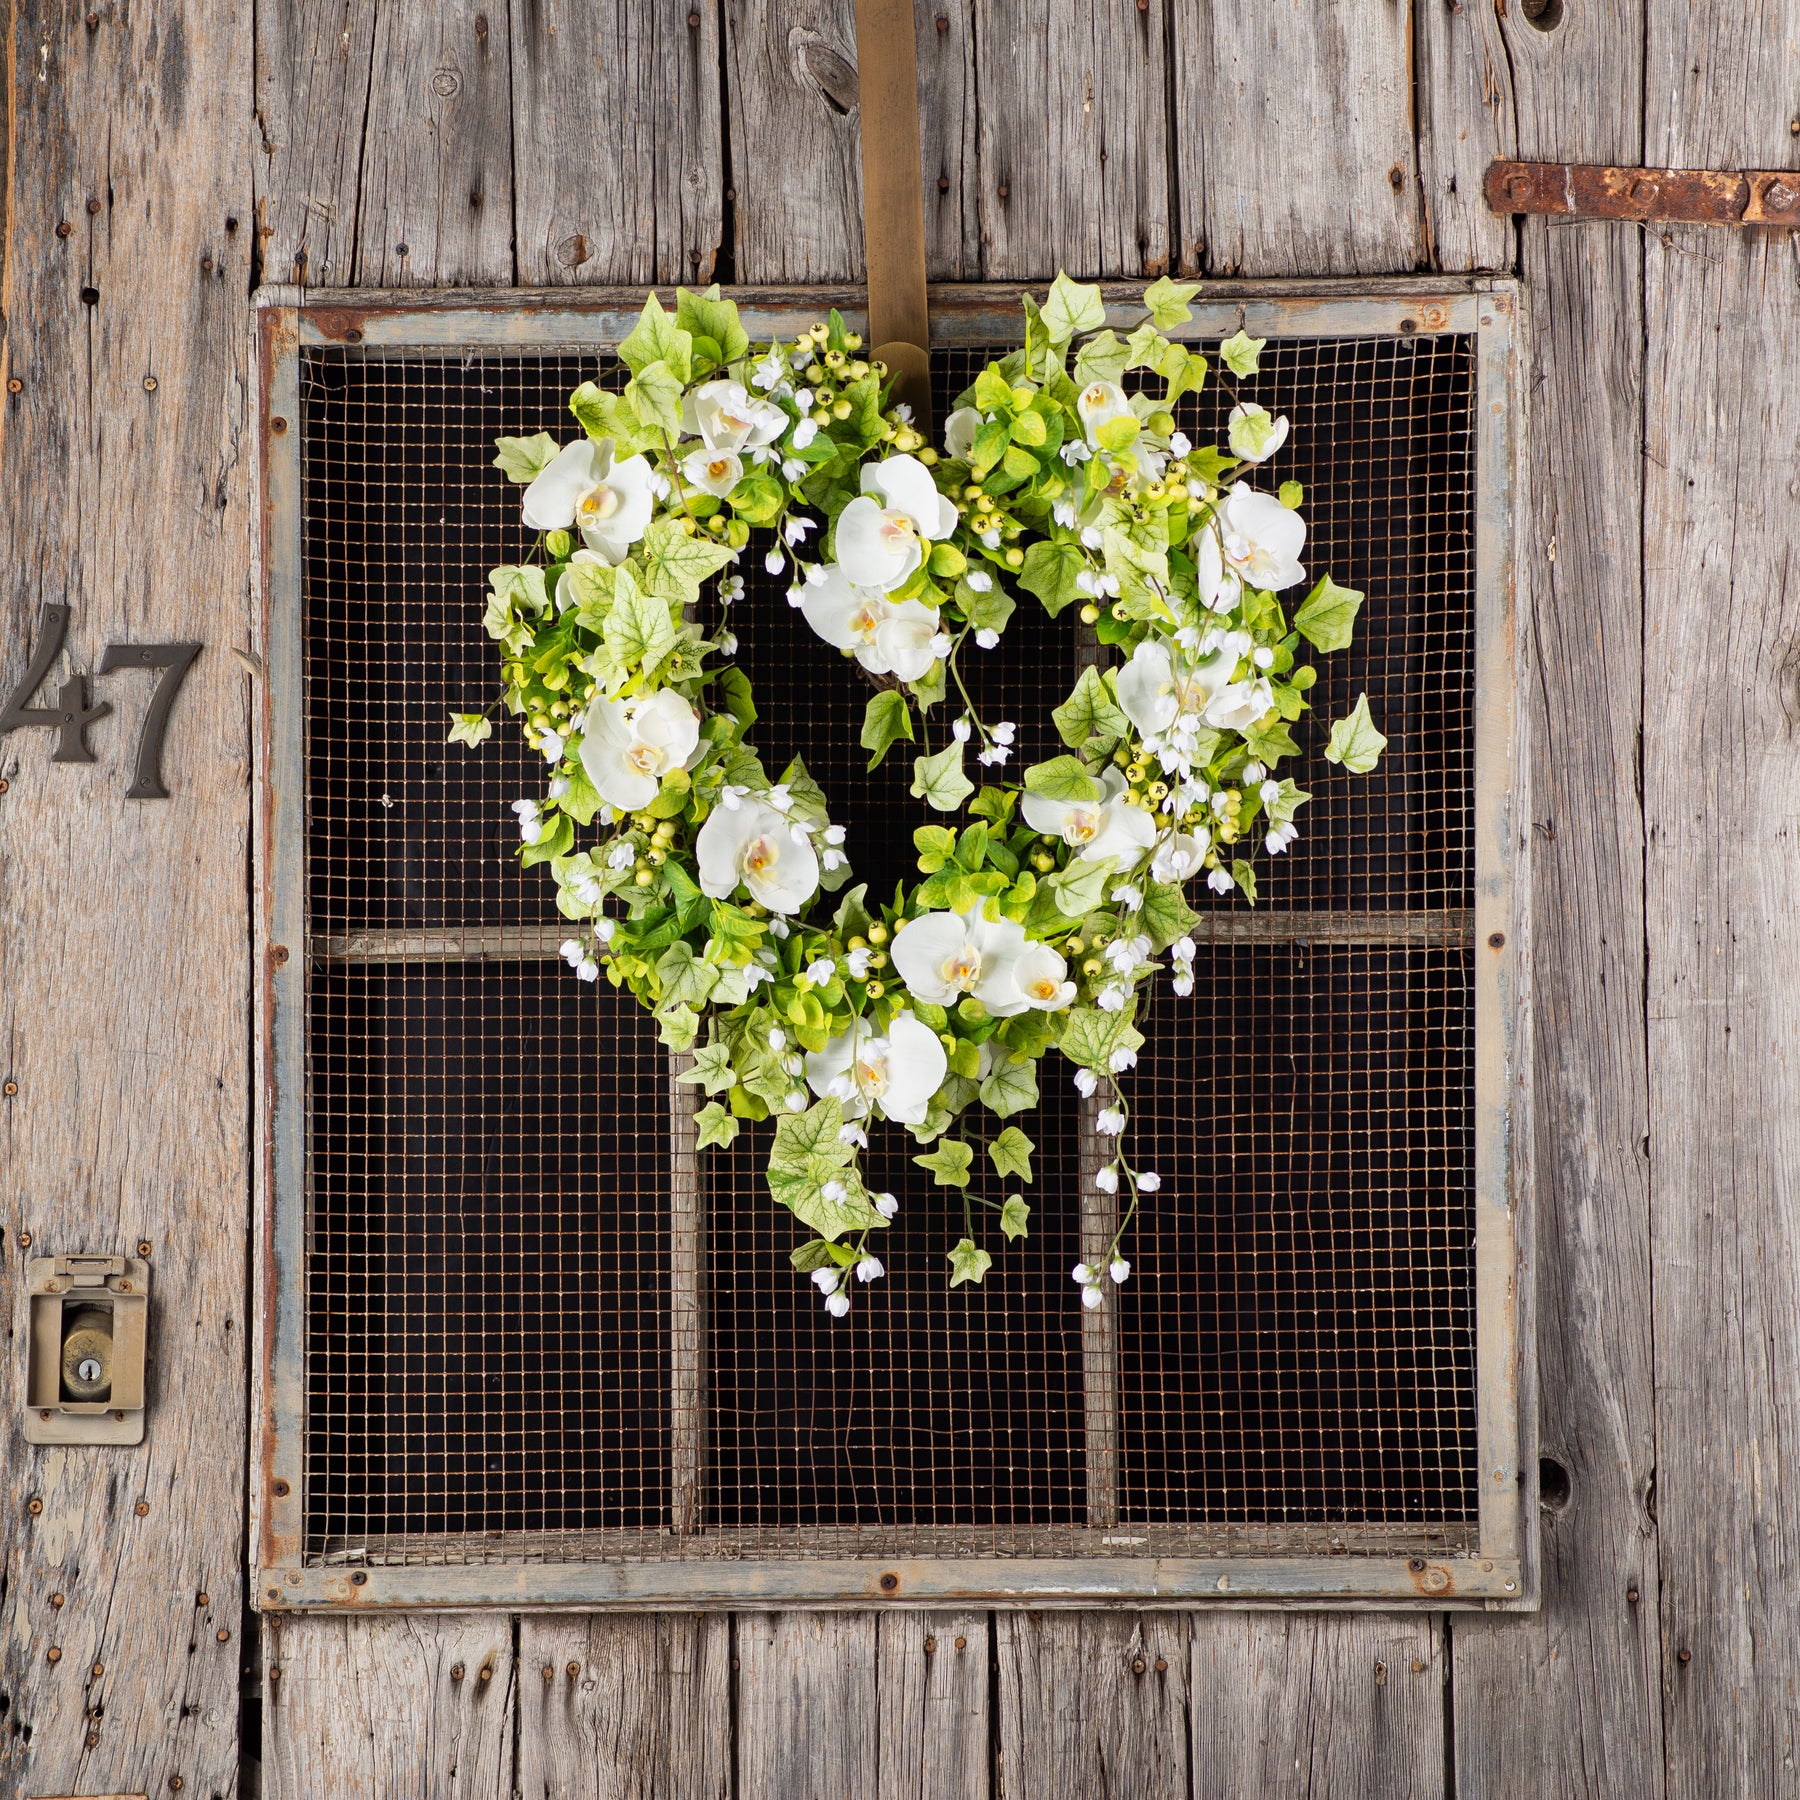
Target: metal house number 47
[(71, 715)]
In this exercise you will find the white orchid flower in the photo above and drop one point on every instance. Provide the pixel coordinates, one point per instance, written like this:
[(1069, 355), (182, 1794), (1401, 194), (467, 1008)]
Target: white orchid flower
[(725, 416), (881, 534), (1254, 435), (608, 503), (1099, 403), (1096, 829), (1218, 586), (1180, 857), (1042, 976), (755, 845), (942, 956), (897, 1072), (628, 746), (714, 472), (889, 637), (1156, 690), (959, 433), (1262, 539)]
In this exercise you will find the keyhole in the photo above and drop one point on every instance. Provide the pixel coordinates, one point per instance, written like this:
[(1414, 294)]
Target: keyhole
[(88, 1369)]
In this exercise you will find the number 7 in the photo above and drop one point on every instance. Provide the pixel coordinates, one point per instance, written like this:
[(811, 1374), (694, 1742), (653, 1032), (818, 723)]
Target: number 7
[(174, 660)]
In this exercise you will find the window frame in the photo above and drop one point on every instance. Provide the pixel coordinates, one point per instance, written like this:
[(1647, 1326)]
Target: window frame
[(1499, 1572)]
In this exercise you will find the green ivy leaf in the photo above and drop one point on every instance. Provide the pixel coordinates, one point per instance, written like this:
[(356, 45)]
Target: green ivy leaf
[(886, 719), (675, 564), (1244, 874), (524, 459), (1355, 743), (813, 1254), (1080, 888), (1061, 778), (712, 1069), (1071, 308), (638, 632), (1288, 802), (606, 418), (803, 1196), (686, 979), (1118, 434), (559, 840), (801, 1138), (948, 1163), (939, 780), (1091, 1036), (717, 1126), (1049, 572), (1240, 351), (1015, 1217), (707, 315), (658, 338), (1011, 1086), (678, 1026), (655, 396), (1271, 740), (1104, 357), (968, 1261), (1166, 915), (1168, 301), (1090, 711), (470, 728), (582, 800), (1326, 618), (1010, 1153)]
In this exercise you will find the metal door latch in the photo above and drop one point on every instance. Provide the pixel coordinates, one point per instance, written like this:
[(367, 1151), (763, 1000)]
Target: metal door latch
[(84, 1375)]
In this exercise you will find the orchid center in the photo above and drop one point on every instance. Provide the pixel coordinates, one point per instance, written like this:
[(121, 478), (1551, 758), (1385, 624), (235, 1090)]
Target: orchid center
[(1081, 826), (897, 530), (647, 759), (732, 422), (963, 970), (599, 503), (718, 468), (1044, 988), (761, 854), (866, 620), (872, 1075)]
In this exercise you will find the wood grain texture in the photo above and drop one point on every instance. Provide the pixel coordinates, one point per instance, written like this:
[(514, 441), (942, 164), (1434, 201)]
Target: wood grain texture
[(1074, 139), (1466, 118), (1295, 149), (835, 1705), (123, 959), (619, 1708), (950, 140), (619, 160), (1585, 1670), (313, 69), (1290, 1705), (1093, 1706), (381, 1708), (434, 206), (1722, 620)]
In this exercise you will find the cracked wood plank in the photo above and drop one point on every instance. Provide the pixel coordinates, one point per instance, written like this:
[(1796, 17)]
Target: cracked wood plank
[(1295, 154), (618, 160), (124, 966), (371, 1708)]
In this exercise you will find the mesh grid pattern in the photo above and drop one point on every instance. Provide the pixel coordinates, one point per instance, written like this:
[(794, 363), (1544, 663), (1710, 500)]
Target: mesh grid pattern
[(490, 1372)]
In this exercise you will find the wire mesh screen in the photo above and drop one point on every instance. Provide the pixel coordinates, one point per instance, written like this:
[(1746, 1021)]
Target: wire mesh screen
[(493, 1274)]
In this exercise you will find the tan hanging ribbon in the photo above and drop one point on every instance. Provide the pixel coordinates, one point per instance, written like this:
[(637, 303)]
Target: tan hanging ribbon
[(893, 199)]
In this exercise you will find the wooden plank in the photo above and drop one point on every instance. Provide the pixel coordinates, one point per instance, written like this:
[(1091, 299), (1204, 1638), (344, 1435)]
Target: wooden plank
[(1320, 1707), (123, 966), (621, 1708), (1464, 91), (1722, 443), (808, 1719), (1074, 139), (891, 1706), (1100, 1214), (933, 1700), (796, 156), (1296, 149), (1093, 1706), (368, 1708), (313, 69), (619, 166), (434, 204), (1586, 1669)]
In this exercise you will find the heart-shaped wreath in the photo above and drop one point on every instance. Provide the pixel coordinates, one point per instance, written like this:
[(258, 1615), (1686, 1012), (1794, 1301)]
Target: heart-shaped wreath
[(1039, 923)]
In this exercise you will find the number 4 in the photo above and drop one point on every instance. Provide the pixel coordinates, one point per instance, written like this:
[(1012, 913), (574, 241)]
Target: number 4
[(71, 715)]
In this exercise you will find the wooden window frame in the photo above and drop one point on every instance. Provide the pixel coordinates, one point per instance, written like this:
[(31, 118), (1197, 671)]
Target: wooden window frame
[(1498, 1572)]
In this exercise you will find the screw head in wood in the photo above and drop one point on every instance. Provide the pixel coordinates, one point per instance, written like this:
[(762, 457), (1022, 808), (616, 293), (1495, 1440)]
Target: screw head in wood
[(962, 1643), (223, 1635), (930, 1645), (34, 1506), (98, 1670), (63, 228), (149, 384), (572, 1670), (1137, 1665), (456, 1671), (1162, 1665), (282, 1490), (93, 1737), (53, 1654), (890, 1582), (202, 1599), (485, 1672), (360, 1578), (14, 385), (9, 1090), (1496, 940), (93, 207), (92, 21), (24, 1236), (1684, 1657), (142, 1509), (278, 424)]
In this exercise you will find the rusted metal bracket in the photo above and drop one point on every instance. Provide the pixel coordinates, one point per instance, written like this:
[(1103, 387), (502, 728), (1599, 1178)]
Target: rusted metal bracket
[(1673, 196)]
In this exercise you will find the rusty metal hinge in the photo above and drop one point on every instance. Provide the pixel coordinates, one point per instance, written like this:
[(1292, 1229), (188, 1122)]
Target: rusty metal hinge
[(1675, 196)]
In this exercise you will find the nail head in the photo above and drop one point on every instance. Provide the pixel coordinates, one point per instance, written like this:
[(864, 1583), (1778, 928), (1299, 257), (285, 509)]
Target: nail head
[(142, 1509)]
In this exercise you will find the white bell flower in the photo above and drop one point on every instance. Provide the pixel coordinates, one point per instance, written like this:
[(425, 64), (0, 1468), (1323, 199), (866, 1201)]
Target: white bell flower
[(1099, 403), (1042, 976), (897, 1072), (1110, 1121), (1254, 435), (714, 472), (1096, 829), (582, 487), (889, 637), (1262, 539), (755, 845), (881, 534), (1179, 857), (628, 746), (944, 955), (725, 416), (1086, 1082), (959, 432)]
